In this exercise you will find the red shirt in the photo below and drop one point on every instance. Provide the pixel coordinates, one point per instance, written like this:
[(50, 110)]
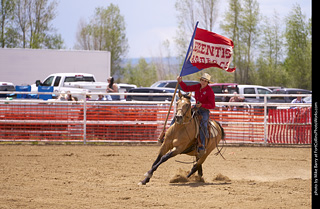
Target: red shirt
[(205, 96)]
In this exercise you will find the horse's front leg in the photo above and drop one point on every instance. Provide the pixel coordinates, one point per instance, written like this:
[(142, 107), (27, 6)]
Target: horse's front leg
[(148, 175), (156, 164)]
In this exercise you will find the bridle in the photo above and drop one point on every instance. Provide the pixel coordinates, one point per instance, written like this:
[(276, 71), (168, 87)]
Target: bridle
[(184, 113)]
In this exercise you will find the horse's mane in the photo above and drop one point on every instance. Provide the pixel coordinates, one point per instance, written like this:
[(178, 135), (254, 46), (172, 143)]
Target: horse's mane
[(186, 96)]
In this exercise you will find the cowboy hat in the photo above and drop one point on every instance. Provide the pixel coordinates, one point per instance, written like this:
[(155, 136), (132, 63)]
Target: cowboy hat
[(206, 77)]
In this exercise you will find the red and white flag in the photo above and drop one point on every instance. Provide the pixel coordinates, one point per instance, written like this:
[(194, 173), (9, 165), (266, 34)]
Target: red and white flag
[(208, 49)]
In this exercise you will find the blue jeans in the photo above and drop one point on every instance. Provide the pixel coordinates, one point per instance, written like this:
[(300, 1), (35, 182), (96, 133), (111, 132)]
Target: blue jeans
[(204, 126)]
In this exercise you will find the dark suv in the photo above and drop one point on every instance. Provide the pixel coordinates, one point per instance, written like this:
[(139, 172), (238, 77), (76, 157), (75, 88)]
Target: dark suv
[(148, 97), (287, 91), (172, 84)]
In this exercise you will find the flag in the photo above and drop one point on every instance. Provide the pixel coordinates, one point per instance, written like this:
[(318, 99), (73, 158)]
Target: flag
[(207, 49)]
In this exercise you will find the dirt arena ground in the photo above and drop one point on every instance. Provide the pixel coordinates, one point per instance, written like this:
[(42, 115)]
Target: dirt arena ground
[(76, 176)]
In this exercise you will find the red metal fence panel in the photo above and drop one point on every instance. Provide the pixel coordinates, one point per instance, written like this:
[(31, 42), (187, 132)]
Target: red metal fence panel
[(242, 125), (65, 122), (40, 122), (290, 126), (126, 122)]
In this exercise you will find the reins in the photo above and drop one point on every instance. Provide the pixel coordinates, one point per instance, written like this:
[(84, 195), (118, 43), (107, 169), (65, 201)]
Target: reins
[(189, 106)]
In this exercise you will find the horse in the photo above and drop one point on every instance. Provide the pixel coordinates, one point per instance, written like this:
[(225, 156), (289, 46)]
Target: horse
[(181, 138)]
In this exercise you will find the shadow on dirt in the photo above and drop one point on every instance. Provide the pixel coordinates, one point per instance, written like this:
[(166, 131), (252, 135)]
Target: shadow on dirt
[(199, 184)]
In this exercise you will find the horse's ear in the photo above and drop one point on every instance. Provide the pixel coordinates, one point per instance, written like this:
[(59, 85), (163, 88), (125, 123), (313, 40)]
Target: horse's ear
[(180, 95), (190, 94)]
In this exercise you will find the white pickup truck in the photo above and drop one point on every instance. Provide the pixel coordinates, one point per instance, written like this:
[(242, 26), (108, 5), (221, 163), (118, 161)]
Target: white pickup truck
[(76, 83)]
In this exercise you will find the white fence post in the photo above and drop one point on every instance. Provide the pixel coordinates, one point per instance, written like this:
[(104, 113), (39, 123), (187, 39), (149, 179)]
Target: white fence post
[(85, 119), (265, 119)]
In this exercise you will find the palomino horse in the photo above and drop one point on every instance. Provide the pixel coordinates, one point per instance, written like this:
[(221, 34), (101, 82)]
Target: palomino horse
[(181, 138)]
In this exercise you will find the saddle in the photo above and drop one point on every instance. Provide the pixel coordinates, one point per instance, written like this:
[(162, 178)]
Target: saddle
[(212, 130)]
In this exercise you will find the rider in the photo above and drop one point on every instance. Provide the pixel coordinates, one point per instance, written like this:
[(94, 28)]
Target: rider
[(205, 100)]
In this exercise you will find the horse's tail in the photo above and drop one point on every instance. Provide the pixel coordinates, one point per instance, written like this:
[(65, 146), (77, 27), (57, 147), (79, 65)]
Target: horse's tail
[(222, 137), (222, 130)]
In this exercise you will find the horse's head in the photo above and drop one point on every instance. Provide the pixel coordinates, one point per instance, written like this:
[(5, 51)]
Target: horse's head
[(183, 113)]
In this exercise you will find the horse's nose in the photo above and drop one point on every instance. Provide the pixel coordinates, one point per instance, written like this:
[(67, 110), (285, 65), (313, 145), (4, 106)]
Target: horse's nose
[(178, 119)]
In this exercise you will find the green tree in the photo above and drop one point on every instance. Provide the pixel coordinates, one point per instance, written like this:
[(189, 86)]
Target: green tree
[(241, 25), (33, 22), (231, 26), (6, 16), (105, 32), (298, 44), (22, 19), (143, 74), (249, 35), (270, 69), (42, 34), (12, 38)]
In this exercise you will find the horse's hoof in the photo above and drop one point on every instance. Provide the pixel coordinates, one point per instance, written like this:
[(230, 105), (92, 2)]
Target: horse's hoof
[(148, 175), (141, 183)]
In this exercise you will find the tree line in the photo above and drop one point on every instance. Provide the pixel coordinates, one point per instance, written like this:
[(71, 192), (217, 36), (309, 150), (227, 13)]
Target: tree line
[(105, 31), (27, 24), (268, 51)]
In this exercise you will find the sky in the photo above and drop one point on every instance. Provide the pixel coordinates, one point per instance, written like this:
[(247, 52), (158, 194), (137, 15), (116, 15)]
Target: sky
[(150, 22)]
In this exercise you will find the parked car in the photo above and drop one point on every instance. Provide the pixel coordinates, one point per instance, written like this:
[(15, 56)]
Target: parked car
[(253, 89), (124, 88), (307, 99), (288, 91), (273, 87), (172, 84), (148, 97), (75, 83), (6, 86), (221, 88)]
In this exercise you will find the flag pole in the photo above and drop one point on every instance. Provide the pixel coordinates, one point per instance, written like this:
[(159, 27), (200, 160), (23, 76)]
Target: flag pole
[(175, 90)]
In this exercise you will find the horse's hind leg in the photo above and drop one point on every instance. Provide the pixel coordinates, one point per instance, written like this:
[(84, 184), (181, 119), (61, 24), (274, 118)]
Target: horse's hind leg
[(200, 172), (198, 166), (194, 169)]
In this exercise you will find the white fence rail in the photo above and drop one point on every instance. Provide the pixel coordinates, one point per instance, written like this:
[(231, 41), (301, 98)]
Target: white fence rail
[(142, 121)]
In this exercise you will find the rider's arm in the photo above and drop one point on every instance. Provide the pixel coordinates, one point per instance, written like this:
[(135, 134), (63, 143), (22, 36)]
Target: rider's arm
[(187, 88)]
